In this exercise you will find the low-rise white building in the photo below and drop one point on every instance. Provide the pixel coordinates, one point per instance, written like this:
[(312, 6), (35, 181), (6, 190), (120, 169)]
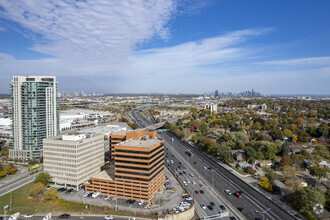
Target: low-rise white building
[(72, 158)]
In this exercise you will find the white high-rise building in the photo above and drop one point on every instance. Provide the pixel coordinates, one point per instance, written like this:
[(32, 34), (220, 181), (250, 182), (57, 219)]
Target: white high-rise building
[(35, 114), (73, 158)]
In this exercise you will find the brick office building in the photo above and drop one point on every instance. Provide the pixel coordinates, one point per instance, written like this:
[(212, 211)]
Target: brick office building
[(136, 170)]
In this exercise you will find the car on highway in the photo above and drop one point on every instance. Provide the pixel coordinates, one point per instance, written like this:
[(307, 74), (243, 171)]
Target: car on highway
[(28, 216), (210, 207), (227, 191), (212, 203), (108, 217), (65, 215), (201, 191), (203, 206), (241, 209), (197, 192), (222, 207), (238, 194)]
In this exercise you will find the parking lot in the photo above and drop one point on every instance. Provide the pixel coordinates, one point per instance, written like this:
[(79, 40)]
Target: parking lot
[(164, 201)]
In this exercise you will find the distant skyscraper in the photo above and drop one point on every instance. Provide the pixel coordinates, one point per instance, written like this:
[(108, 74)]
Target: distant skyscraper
[(35, 114), (216, 94)]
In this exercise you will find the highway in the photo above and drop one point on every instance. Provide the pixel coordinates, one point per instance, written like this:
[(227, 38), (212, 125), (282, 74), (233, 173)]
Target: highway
[(190, 178), (252, 201)]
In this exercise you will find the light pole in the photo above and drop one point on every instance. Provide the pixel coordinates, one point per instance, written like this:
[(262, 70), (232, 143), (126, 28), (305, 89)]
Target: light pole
[(263, 213)]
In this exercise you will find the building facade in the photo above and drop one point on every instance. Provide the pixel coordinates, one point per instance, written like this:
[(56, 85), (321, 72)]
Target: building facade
[(35, 114), (137, 171), (73, 158), (212, 107)]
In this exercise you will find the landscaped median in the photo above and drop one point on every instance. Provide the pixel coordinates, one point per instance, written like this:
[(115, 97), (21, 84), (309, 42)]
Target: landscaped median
[(21, 202)]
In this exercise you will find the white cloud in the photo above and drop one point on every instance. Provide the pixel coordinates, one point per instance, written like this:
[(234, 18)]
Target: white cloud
[(90, 30), (2, 28), (300, 61)]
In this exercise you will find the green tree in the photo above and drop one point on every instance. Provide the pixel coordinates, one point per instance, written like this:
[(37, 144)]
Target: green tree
[(308, 197), (51, 194), (257, 126), (36, 189), (319, 172), (44, 178), (203, 127), (223, 153), (251, 154)]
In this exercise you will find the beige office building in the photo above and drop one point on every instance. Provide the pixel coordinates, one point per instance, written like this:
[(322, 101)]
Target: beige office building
[(72, 158)]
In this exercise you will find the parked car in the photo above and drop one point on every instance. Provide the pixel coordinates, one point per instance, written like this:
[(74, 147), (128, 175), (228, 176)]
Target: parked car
[(108, 217), (201, 191), (222, 207), (212, 203), (28, 216), (203, 206), (197, 192), (86, 194), (141, 202)]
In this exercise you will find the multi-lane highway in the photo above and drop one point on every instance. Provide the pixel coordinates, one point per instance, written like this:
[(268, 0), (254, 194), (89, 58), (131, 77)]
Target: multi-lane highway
[(200, 190), (252, 202)]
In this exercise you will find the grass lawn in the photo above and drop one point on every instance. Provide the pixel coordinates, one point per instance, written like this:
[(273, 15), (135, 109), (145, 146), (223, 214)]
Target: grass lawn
[(25, 205), (240, 171)]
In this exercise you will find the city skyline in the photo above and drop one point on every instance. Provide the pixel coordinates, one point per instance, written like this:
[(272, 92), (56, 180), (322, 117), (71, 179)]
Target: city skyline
[(274, 47)]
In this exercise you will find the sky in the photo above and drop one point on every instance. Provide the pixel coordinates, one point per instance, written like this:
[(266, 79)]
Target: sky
[(168, 46)]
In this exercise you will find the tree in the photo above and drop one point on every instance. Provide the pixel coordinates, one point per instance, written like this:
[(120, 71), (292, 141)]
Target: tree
[(287, 132), (223, 152), (308, 197), (319, 172), (285, 161), (10, 169), (36, 189), (249, 169), (300, 121), (44, 178), (251, 153), (288, 171), (302, 136), (51, 194), (257, 126), (264, 183), (203, 127)]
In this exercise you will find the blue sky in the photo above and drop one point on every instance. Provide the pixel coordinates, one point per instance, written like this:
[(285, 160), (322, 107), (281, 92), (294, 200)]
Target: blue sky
[(172, 46)]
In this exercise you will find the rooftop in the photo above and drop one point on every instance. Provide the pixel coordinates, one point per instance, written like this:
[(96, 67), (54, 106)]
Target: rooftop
[(140, 143)]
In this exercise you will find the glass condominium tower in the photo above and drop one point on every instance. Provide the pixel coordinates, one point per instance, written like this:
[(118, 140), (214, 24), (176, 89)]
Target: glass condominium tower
[(35, 114)]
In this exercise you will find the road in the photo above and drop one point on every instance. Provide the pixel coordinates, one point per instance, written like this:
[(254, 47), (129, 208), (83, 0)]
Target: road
[(252, 201), (17, 184), (190, 178), (16, 177)]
